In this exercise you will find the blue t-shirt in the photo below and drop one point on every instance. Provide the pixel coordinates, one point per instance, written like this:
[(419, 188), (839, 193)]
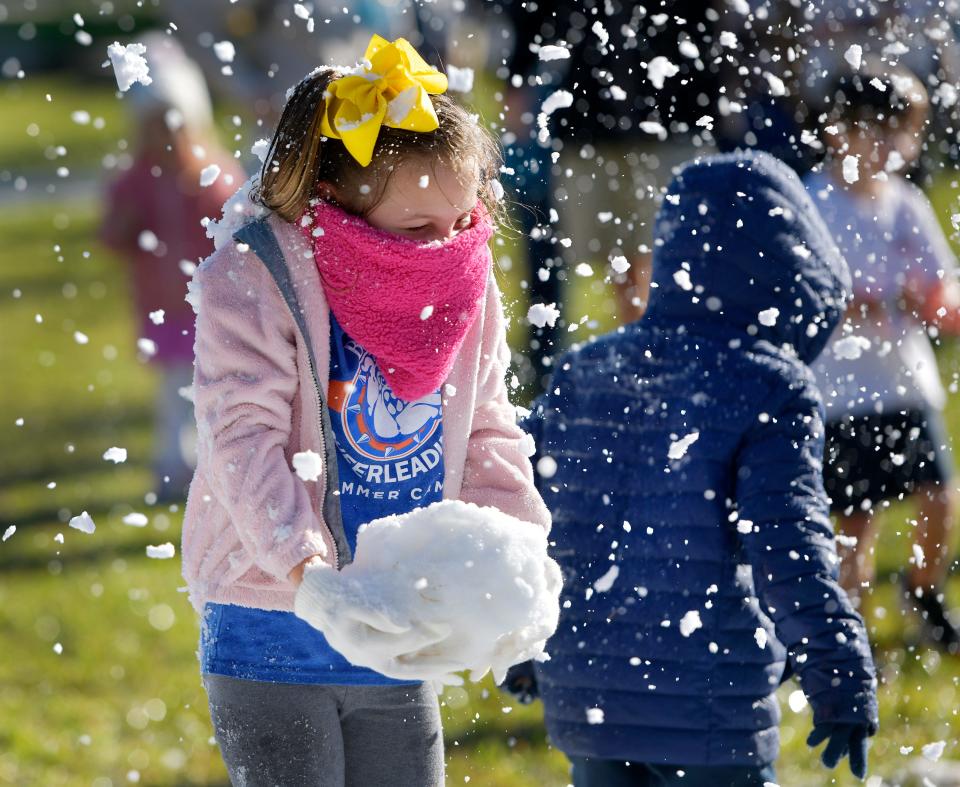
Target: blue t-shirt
[(390, 461)]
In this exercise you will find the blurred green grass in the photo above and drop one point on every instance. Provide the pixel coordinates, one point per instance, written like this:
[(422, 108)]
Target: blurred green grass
[(123, 700)]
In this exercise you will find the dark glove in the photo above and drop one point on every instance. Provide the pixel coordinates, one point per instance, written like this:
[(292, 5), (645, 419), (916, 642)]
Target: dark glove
[(521, 682), (845, 740)]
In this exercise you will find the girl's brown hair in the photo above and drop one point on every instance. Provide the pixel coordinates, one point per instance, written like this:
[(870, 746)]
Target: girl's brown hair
[(301, 158)]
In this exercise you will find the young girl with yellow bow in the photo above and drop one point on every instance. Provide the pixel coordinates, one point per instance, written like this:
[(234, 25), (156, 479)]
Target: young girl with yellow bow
[(355, 332)]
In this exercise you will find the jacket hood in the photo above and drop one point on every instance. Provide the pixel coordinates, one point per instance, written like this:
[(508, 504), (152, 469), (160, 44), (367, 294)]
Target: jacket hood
[(741, 248)]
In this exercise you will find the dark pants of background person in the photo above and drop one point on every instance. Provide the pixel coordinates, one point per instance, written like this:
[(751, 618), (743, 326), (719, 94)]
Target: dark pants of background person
[(612, 773)]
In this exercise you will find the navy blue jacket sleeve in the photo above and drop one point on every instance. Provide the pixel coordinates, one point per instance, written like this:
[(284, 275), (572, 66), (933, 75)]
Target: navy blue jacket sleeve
[(786, 535)]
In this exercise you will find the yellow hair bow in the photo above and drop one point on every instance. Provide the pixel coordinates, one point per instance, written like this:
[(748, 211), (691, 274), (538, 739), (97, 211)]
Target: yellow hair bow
[(391, 88)]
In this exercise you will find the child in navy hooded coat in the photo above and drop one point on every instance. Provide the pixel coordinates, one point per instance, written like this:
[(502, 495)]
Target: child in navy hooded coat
[(681, 457)]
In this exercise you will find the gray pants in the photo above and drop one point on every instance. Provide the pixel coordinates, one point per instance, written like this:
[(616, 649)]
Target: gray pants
[(293, 735)]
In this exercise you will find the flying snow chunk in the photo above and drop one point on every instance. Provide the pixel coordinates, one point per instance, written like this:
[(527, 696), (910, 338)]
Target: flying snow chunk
[(653, 127), (777, 88), (459, 80), (678, 448), (728, 39), (308, 465), (849, 348), (583, 269), (83, 522), (854, 56), (161, 551), (148, 241), (426, 312), (768, 317), (9, 532), (955, 221), (225, 51), (128, 64), (688, 49), (682, 278), (157, 316), (301, 11), (553, 52), (659, 69), (600, 32), (918, 555), (620, 264), (760, 635), (617, 93), (594, 715), (797, 701), (424, 181), (147, 346), (115, 455), (491, 597), (558, 99), (605, 582), (135, 519), (933, 751), (543, 314), (546, 467), (81, 338), (209, 175), (851, 169), (690, 622), (260, 148), (497, 188), (80, 116)]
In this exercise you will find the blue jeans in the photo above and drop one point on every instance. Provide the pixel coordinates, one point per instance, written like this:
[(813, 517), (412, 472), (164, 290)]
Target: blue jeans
[(612, 773)]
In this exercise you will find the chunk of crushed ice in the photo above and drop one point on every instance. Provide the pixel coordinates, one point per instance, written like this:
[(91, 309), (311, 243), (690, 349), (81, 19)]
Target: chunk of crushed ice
[(135, 519), (459, 80), (933, 751), (225, 51), (768, 317), (128, 64), (209, 175), (678, 448), (760, 635), (161, 551), (851, 168), (83, 522), (854, 56), (115, 455), (543, 314), (690, 622), (546, 467), (728, 39), (553, 52), (594, 715), (308, 465), (659, 69), (849, 348), (604, 583)]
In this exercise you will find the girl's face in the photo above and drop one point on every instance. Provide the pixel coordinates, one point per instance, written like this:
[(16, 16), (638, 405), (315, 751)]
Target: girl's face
[(426, 203)]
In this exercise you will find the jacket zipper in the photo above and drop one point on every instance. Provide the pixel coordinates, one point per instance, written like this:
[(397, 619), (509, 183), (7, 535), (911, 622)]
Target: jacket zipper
[(323, 442)]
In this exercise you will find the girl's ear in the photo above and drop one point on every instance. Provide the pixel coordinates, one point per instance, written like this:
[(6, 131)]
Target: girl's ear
[(328, 192)]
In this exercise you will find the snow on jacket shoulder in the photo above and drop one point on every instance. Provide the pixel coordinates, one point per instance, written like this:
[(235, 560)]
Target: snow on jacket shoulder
[(249, 518), (689, 515)]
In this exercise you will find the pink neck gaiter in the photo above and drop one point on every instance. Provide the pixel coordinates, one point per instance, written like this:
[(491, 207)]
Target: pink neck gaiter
[(408, 303)]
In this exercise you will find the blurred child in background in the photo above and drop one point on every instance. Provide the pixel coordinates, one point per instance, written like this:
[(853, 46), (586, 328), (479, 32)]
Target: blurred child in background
[(153, 217), (886, 438)]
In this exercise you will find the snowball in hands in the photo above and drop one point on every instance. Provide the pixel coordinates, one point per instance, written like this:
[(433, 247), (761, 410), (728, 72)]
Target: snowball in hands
[(438, 590)]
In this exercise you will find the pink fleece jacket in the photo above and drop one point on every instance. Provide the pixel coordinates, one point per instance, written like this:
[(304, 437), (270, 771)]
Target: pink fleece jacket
[(249, 518)]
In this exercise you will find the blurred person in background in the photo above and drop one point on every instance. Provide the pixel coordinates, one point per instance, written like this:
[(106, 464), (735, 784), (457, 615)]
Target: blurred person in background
[(886, 437), (640, 80), (152, 218)]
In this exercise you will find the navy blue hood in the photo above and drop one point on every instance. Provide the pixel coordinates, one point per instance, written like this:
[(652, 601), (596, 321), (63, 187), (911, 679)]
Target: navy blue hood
[(740, 247)]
